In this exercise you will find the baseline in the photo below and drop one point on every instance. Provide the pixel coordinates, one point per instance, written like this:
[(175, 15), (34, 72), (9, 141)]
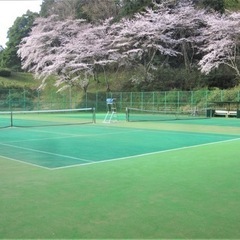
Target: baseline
[(23, 162), (41, 152), (145, 154)]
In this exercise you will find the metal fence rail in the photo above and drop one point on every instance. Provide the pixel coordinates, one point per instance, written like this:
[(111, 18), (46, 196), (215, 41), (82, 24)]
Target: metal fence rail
[(18, 99)]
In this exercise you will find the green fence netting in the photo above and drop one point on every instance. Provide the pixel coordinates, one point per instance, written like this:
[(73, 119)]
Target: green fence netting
[(18, 99)]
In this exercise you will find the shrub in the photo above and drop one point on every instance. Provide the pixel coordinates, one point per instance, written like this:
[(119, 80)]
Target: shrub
[(4, 72)]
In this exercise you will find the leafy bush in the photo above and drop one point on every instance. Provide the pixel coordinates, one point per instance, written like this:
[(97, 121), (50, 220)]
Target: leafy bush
[(4, 72)]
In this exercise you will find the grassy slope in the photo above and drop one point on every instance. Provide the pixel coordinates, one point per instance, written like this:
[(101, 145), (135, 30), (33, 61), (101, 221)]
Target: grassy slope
[(116, 81), (19, 80), (26, 80)]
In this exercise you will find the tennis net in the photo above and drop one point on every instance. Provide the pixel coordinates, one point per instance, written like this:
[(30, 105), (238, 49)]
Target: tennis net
[(135, 114), (47, 117)]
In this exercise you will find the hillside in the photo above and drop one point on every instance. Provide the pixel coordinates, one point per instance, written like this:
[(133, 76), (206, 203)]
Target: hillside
[(19, 80), (176, 59), (20, 92)]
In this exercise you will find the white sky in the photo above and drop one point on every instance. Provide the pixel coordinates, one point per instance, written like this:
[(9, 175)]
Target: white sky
[(10, 10)]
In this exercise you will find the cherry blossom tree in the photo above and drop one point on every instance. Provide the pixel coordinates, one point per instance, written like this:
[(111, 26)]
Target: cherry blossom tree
[(139, 39), (163, 30), (68, 49), (49, 36), (187, 30), (74, 49), (221, 43)]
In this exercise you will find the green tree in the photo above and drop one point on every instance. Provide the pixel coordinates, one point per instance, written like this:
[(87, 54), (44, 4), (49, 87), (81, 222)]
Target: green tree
[(232, 4), (1, 55), (46, 7), (96, 10), (19, 30), (93, 10), (129, 7), (216, 5), (64, 8)]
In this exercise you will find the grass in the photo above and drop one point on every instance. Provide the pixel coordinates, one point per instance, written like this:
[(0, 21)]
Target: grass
[(26, 80), (187, 193), (19, 80)]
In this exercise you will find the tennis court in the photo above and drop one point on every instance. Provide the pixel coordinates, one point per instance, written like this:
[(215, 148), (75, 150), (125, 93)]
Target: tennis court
[(169, 179), (58, 147)]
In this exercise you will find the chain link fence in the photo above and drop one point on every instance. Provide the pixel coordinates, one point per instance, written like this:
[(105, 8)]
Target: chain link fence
[(18, 99)]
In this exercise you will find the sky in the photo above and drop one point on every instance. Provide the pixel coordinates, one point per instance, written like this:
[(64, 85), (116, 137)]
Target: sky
[(10, 10)]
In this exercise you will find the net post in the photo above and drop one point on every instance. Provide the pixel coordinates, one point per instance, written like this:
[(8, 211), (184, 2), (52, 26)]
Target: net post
[(94, 115), (11, 117), (127, 114)]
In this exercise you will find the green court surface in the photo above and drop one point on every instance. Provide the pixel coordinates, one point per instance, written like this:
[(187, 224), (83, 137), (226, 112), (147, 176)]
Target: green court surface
[(162, 180), (65, 146)]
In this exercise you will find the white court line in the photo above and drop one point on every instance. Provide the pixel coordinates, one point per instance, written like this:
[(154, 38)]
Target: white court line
[(68, 136), (89, 162), (65, 135), (44, 152), (44, 139), (23, 162), (145, 154)]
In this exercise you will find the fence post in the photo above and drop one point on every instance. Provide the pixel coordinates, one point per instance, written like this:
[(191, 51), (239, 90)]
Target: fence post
[(165, 100), (70, 97), (24, 99), (10, 100), (178, 96), (153, 96), (86, 99), (222, 95), (131, 99), (38, 101), (96, 101), (192, 99), (206, 97), (121, 101)]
